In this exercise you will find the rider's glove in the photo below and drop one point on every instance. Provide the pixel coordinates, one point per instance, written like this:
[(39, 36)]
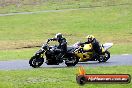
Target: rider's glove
[(81, 44), (48, 40)]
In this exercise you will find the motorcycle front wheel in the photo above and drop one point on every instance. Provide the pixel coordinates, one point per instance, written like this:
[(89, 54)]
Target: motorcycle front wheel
[(35, 61)]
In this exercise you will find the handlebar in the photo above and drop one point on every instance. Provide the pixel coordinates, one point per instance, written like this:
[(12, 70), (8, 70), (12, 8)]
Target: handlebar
[(47, 41), (45, 44)]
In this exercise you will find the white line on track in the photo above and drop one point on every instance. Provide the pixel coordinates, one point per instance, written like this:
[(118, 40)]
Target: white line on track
[(44, 11), (125, 54)]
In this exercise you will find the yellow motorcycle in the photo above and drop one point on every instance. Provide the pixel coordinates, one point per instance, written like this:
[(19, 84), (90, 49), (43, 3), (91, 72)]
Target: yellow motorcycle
[(86, 52)]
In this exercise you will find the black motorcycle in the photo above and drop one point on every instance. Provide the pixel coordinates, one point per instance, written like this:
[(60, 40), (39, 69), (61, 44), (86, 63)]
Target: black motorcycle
[(49, 54)]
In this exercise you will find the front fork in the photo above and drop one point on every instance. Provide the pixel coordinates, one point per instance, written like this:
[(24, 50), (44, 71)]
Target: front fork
[(40, 53)]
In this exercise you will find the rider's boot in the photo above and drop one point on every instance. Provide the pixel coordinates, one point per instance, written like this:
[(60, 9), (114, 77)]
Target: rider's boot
[(59, 58)]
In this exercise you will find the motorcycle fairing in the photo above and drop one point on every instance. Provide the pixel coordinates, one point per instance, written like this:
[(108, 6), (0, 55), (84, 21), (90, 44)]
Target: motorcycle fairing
[(106, 46)]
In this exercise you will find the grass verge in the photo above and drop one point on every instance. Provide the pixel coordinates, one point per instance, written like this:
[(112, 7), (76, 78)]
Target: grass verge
[(58, 77), (7, 6)]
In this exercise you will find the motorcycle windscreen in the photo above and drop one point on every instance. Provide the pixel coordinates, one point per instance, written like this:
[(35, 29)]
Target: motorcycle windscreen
[(107, 46)]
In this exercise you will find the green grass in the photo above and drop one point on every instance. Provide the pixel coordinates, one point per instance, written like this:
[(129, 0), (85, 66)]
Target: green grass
[(58, 77), (106, 23), (17, 54), (121, 49), (8, 6)]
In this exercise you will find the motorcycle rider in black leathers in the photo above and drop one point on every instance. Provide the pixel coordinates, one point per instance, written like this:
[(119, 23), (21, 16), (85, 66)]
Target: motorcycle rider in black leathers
[(95, 44), (61, 48)]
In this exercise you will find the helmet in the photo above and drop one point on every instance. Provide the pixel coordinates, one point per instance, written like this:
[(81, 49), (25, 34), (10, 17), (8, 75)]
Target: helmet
[(90, 38), (58, 35)]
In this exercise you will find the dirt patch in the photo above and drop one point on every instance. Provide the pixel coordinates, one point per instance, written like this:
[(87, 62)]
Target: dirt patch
[(18, 3), (4, 45)]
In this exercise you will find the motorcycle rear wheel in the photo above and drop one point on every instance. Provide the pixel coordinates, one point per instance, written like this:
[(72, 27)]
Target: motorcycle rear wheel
[(72, 60), (105, 57), (36, 62)]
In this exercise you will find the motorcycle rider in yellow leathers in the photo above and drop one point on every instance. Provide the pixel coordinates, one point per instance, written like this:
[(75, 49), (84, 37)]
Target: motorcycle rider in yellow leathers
[(95, 45)]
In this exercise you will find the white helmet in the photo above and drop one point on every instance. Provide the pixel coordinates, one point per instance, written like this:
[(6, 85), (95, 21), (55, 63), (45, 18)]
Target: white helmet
[(58, 35)]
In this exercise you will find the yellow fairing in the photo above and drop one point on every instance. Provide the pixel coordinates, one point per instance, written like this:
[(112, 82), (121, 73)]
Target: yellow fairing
[(103, 50), (87, 47), (86, 54), (42, 55)]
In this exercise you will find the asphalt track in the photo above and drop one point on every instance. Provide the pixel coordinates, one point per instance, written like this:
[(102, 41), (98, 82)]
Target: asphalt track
[(115, 60)]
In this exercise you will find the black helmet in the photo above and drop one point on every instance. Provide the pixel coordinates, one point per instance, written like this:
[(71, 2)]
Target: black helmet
[(58, 35)]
